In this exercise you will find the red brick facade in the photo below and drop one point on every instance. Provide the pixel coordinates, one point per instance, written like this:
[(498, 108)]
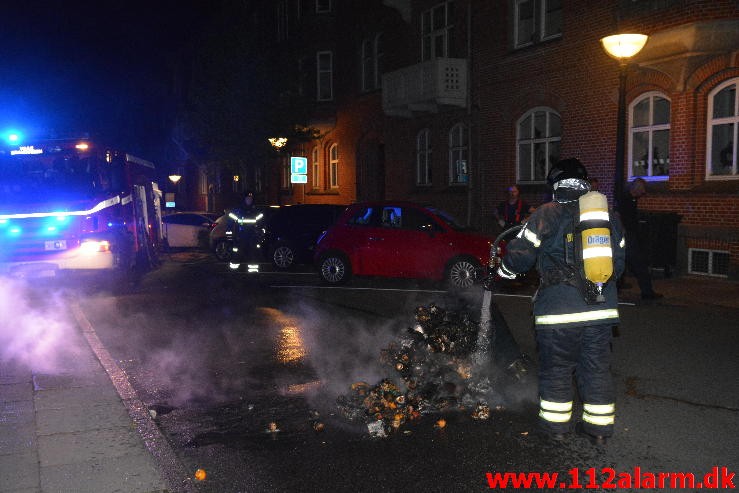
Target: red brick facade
[(568, 74)]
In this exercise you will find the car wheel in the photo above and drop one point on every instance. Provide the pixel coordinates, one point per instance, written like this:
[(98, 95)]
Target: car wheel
[(283, 257), (462, 273), (334, 268), (223, 250)]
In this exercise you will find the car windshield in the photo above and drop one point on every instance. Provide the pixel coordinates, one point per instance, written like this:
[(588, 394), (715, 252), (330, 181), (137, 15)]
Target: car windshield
[(448, 219)]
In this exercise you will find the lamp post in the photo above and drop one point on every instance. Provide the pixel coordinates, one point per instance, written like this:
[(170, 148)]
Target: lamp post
[(277, 144), (170, 199), (622, 47)]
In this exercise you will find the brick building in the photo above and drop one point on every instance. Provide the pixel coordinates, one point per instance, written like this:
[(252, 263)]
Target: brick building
[(449, 102)]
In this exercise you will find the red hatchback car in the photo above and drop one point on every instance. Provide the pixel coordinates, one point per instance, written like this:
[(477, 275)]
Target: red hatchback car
[(400, 239)]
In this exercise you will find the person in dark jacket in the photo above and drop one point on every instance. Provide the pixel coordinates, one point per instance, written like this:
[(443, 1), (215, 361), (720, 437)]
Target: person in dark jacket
[(512, 211), (573, 333), (628, 212)]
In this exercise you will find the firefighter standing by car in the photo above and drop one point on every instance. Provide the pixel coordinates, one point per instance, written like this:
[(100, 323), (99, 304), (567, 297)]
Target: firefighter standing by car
[(242, 228), (579, 254)]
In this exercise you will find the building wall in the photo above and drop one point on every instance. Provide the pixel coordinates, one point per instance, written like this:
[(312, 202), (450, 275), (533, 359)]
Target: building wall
[(574, 76), (571, 74)]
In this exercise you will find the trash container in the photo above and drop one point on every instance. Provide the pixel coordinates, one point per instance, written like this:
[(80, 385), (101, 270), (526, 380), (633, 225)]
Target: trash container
[(659, 234)]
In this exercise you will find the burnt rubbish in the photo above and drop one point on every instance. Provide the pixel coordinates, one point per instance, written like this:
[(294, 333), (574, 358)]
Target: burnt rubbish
[(439, 366)]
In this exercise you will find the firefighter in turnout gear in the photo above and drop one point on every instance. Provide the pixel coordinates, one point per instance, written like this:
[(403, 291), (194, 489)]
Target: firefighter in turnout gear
[(579, 254), (242, 224)]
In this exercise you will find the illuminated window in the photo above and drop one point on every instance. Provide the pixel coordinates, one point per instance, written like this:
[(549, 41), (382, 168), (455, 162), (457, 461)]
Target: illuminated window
[(324, 74), (723, 122), (316, 167), (423, 158), (539, 135), (437, 31), (649, 136), (536, 20), (458, 154), (333, 166)]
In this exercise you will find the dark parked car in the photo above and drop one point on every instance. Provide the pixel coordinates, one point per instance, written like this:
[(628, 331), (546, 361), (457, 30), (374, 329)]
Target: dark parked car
[(289, 235), (401, 239)]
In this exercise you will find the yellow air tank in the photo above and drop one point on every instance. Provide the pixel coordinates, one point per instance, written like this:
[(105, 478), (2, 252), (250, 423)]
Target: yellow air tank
[(597, 254)]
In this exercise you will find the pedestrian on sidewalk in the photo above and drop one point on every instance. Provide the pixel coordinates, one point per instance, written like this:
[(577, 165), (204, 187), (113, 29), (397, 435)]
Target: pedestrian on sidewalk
[(627, 210)]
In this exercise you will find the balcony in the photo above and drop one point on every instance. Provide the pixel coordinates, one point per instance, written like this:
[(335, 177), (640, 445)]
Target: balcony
[(427, 87)]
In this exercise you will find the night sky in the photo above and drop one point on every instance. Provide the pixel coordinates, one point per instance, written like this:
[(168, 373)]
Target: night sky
[(105, 67)]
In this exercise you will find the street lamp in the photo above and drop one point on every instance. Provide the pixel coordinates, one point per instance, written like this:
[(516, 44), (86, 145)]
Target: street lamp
[(277, 142), (174, 179), (622, 47)]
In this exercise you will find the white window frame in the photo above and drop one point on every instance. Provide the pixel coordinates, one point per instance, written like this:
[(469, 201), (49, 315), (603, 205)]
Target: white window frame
[(423, 158), (429, 34), (333, 165), (325, 72), (649, 128), (547, 140), (316, 167), (711, 122), (324, 6), (538, 23), (459, 155)]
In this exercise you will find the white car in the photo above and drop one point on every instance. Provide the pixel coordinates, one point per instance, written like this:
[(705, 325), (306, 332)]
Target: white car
[(188, 229)]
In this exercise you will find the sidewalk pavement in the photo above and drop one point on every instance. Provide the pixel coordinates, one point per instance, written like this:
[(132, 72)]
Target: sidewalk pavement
[(686, 291), (81, 427), (77, 425)]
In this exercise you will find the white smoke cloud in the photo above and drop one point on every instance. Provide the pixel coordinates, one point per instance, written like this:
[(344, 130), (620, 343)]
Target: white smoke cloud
[(35, 328)]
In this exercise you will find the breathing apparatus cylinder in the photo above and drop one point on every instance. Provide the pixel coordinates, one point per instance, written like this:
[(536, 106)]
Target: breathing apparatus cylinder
[(595, 232)]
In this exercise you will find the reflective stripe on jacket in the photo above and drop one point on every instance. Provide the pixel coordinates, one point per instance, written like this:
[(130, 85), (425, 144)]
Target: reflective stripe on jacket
[(543, 243)]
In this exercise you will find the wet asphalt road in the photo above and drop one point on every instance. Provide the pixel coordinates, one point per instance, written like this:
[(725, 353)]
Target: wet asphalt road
[(218, 356)]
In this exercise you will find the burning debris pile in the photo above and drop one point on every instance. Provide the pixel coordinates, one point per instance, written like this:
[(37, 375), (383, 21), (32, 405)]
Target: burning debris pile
[(440, 369)]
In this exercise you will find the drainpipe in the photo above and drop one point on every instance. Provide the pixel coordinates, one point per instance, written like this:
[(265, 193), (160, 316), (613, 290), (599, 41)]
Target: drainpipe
[(470, 162)]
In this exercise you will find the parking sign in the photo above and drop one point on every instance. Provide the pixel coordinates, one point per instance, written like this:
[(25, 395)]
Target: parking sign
[(299, 165)]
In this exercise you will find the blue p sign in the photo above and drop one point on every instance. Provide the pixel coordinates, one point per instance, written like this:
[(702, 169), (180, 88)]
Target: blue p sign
[(299, 165)]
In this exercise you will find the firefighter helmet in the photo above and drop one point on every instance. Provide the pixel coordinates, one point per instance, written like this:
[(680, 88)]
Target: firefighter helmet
[(569, 180), (566, 169)]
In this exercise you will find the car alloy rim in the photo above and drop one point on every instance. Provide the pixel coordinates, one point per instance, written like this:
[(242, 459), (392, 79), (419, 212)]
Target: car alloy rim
[(283, 257), (462, 274), (332, 269)]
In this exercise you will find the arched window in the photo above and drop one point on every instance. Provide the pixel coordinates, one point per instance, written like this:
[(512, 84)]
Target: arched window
[(649, 136), (539, 132), (333, 165), (316, 167), (723, 122), (458, 154), (423, 158)]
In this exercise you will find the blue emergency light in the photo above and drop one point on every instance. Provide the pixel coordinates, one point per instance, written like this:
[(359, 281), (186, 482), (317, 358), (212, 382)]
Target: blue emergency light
[(12, 137)]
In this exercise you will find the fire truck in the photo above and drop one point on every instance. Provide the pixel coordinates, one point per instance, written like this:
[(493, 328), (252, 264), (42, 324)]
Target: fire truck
[(76, 205)]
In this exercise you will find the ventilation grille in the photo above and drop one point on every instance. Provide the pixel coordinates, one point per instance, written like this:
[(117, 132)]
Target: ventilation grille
[(709, 262)]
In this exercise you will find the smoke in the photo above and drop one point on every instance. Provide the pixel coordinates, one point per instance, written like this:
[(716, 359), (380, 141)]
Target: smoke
[(343, 350), (34, 330)]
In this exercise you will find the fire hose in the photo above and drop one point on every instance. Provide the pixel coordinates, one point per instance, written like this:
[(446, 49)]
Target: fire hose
[(491, 319)]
